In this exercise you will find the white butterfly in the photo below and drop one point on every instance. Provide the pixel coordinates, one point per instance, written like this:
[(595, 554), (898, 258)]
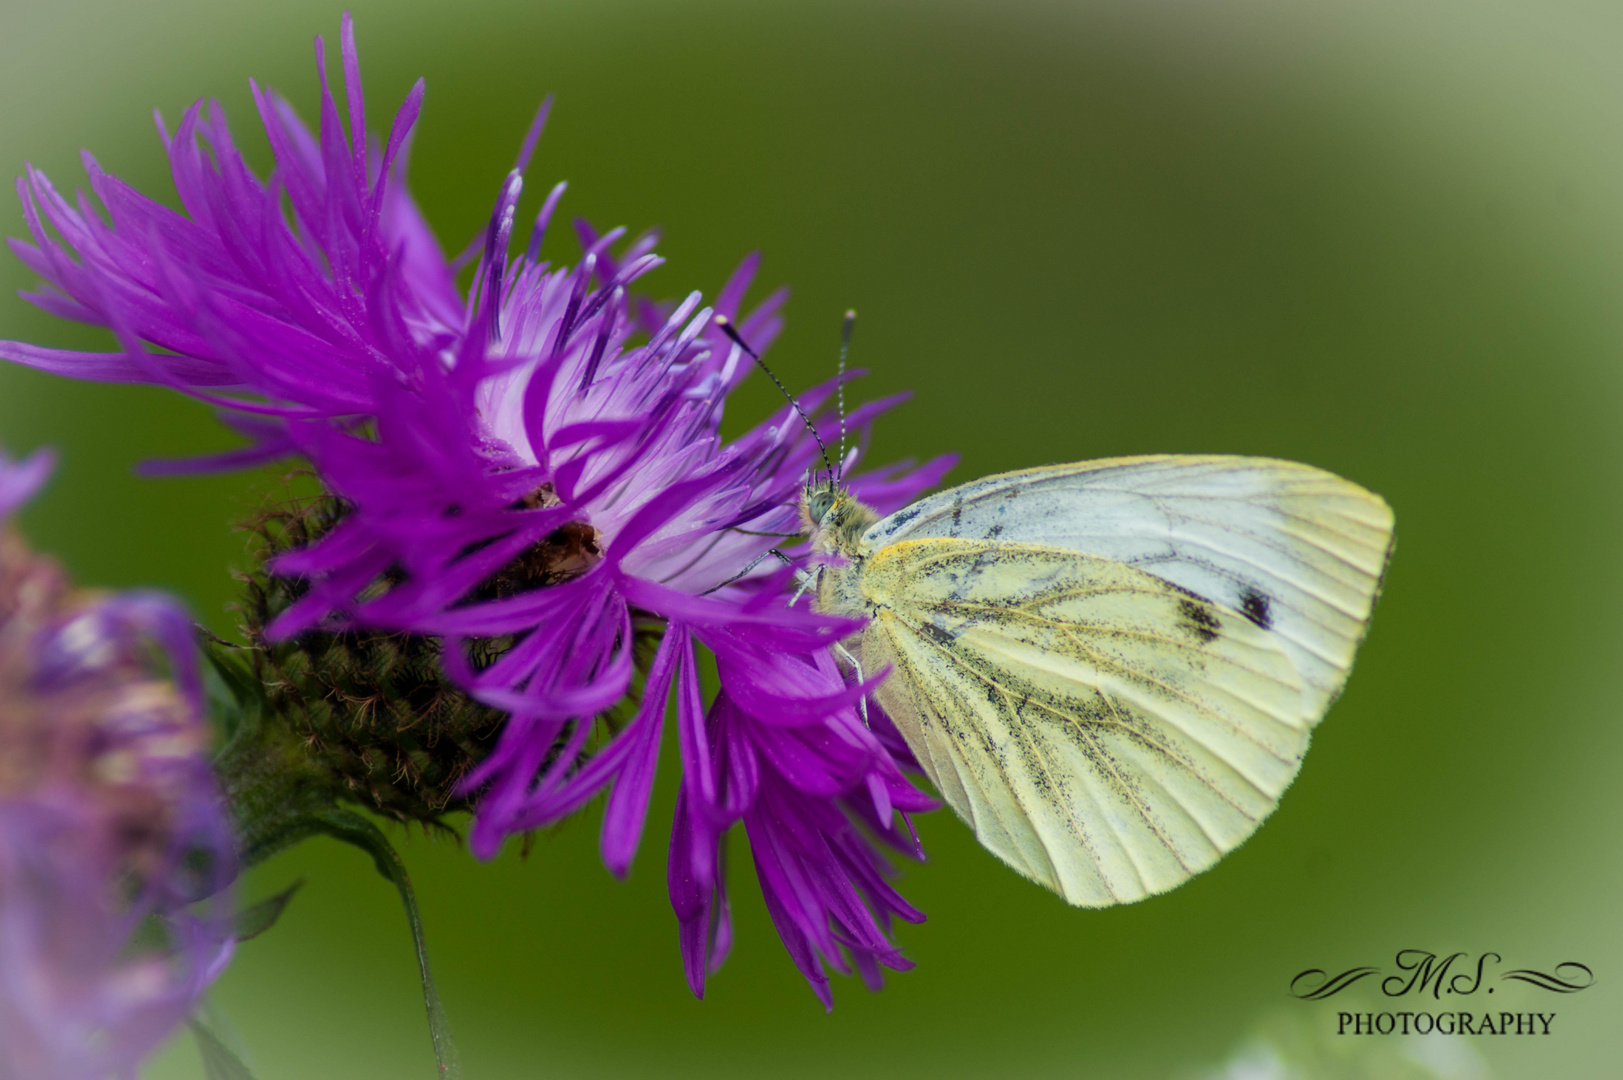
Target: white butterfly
[(1110, 670)]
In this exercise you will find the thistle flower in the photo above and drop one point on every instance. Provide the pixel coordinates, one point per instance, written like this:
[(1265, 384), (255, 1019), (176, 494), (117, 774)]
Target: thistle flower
[(110, 823), (531, 475)]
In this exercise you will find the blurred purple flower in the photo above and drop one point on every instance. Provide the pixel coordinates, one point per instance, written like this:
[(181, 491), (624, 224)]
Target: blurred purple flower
[(110, 823), (516, 471)]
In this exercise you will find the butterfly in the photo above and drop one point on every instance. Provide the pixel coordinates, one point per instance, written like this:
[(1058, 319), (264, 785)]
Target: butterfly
[(1111, 669)]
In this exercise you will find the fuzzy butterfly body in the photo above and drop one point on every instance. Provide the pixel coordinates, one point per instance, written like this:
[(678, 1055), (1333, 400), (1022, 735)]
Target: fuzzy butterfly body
[(1111, 669)]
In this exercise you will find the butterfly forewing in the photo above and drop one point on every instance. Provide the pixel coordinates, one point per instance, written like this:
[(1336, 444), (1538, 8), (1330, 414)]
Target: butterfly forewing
[(1106, 732), (1296, 550)]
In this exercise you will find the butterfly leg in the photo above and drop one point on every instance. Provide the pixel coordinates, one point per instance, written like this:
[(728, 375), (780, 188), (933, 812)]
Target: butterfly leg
[(753, 563), (862, 702), (808, 580)]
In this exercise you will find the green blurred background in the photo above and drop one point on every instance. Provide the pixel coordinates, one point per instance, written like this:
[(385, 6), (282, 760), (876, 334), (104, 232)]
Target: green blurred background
[(1381, 236)]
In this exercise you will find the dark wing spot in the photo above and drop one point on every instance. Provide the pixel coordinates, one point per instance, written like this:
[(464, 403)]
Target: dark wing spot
[(1199, 619), (957, 515), (1256, 608), (935, 633), (902, 517)]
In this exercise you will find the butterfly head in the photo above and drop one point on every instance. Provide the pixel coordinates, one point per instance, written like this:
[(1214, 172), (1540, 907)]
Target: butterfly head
[(817, 501), (833, 518)]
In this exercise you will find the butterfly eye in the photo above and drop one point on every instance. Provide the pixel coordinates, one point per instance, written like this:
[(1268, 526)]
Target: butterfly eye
[(821, 503)]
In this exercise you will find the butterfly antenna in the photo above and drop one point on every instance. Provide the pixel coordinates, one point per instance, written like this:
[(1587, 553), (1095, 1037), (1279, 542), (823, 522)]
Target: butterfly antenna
[(839, 380), (727, 328)]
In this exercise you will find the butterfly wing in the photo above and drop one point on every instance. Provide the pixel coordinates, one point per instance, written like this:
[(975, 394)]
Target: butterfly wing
[(1299, 551), (1105, 732)]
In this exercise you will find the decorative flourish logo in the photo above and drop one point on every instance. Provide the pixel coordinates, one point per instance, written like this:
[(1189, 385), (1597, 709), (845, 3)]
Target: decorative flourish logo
[(1553, 980), (1420, 972)]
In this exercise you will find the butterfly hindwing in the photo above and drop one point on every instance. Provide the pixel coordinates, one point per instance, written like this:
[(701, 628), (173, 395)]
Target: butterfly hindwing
[(1296, 550), (1106, 732)]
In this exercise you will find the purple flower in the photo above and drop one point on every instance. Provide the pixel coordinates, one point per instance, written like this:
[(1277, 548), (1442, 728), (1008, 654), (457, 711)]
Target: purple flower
[(532, 474), (110, 823), (800, 778)]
